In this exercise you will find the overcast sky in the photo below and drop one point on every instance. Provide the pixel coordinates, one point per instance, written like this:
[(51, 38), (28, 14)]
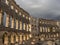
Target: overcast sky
[(41, 8)]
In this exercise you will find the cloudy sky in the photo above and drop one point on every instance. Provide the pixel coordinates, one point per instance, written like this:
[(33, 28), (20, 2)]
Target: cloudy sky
[(41, 8)]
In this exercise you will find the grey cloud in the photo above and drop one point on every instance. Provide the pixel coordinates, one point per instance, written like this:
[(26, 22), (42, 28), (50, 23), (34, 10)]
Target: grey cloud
[(41, 8)]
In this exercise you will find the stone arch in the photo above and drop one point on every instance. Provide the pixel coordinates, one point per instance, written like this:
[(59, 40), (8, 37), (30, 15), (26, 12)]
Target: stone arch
[(5, 38), (49, 42), (16, 37), (12, 38), (42, 38)]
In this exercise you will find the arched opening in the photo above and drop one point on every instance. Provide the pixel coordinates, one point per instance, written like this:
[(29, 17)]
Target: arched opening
[(50, 42), (5, 38), (12, 38), (42, 38), (17, 38), (21, 38)]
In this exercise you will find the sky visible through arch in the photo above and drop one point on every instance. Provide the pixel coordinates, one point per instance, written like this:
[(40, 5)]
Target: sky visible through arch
[(49, 9)]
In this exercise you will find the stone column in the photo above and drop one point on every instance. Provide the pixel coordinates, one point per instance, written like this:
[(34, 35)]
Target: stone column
[(14, 23), (1, 17), (18, 24)]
